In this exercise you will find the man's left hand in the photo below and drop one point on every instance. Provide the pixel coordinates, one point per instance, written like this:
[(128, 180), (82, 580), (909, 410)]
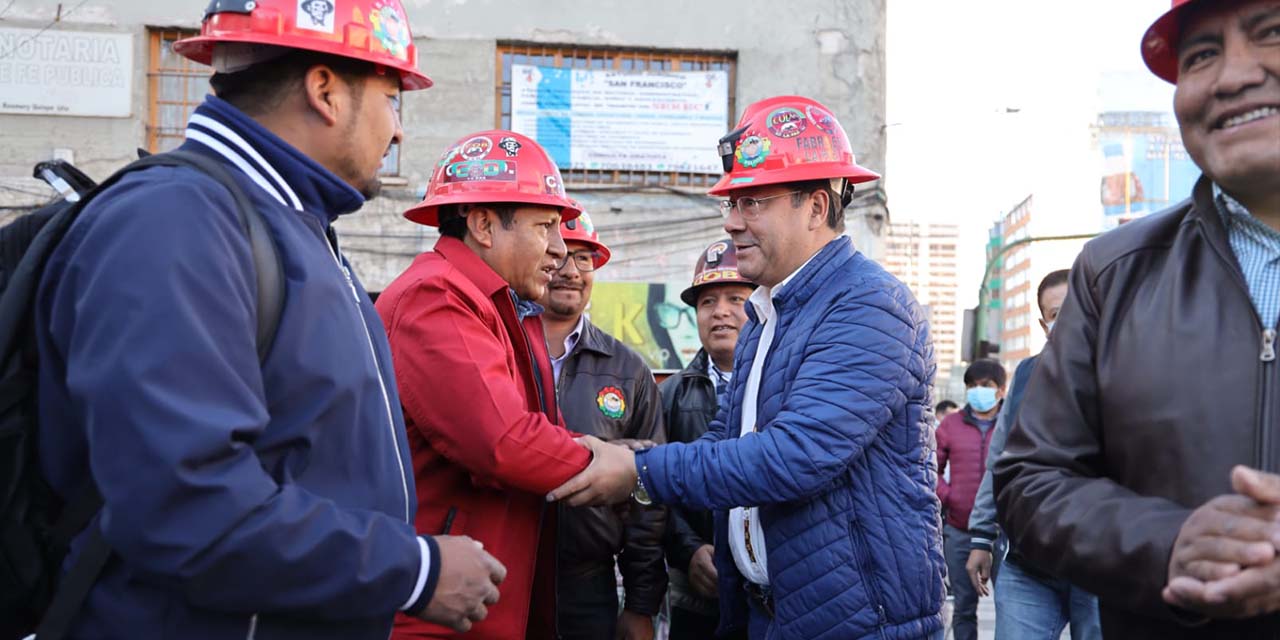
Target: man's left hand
[(609, 479), (633, 626)]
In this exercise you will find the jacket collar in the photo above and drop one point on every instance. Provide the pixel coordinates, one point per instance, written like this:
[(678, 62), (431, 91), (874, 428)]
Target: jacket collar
[(698, 366), (1205, 212), (462, 258), (809, 280), (593, 339), (966, 415), (267, 159)]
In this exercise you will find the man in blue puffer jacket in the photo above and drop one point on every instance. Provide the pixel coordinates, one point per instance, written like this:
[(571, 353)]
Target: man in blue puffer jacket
[(241, 498), (820, 462)]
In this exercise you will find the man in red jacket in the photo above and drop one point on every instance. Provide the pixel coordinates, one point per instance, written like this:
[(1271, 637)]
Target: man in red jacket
[(963, 438), (487, 437)]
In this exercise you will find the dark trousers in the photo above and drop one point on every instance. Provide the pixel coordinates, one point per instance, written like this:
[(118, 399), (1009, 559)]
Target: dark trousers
[(587, 606), (964, 617)]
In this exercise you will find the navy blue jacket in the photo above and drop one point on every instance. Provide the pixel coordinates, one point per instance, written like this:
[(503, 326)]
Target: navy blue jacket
[(268, 500), (842, 467)]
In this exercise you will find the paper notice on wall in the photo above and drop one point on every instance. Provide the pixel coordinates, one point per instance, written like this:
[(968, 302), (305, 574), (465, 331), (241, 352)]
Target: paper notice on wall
[(621, 120), (66, 73)]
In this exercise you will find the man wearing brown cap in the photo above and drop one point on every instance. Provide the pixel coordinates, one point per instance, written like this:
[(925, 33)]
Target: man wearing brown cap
[(689, 399)]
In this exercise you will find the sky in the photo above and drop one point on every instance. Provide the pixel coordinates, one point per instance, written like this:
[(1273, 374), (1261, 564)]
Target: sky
[(991, 101)]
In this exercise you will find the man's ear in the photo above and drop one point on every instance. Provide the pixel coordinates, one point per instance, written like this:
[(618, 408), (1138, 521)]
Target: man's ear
[(480, 224), (820, 205), (326, 92)]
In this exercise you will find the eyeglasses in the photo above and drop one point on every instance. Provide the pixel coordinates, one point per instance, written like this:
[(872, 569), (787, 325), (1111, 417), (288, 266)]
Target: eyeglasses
[(583, 261), (749, 207)]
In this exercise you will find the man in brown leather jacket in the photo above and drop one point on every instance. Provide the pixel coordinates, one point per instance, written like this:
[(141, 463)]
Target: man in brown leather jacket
[(1142, 464), (605, 390)]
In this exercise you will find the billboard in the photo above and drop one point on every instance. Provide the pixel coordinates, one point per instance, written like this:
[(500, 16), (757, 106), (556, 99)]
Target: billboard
[(650, 318), (623, 120), (1144, 166)]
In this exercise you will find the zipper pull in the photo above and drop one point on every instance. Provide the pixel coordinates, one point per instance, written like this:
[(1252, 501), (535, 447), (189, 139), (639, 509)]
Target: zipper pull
[(1268, 345)]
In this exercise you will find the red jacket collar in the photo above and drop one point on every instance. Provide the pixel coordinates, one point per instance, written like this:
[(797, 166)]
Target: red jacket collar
[(465, 260)]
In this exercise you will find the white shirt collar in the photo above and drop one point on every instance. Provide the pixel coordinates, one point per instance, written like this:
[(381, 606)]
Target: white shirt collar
[(762, 297)]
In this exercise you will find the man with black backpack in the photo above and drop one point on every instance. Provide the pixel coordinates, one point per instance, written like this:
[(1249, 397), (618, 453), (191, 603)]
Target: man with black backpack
[(246, 477)]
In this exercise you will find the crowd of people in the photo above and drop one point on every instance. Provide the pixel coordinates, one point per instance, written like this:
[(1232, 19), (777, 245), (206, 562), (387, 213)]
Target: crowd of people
[(472, 455)]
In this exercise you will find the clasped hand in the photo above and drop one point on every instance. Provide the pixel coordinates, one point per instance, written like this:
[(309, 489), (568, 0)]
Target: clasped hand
[(1223, 563)]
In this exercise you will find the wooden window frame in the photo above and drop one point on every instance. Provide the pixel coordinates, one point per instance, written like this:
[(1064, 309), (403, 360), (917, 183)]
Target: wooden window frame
[(618, 59), (189, 71)]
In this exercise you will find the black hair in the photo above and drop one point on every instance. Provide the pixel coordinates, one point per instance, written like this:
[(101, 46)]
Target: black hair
[(264, 86), (984, 369), (835, 210), (453, 218), (1050, 281), (945, 405)]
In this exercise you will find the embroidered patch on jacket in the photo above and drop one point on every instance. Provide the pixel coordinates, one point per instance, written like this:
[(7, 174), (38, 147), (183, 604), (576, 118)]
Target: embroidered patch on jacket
[(611, 402)]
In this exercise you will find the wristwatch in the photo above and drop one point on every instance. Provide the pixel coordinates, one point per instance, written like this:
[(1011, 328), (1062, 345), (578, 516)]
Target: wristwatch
[(639, 493)]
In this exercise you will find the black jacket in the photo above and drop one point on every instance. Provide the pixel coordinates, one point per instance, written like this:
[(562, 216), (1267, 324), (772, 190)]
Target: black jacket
[(1158, 378), (689, 403), (606, 390)]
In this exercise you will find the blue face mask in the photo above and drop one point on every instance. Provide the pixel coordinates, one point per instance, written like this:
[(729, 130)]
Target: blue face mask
[(982, 399)]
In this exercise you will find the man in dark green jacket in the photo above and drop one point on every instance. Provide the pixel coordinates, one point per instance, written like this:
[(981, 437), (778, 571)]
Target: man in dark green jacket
[(605, 390)]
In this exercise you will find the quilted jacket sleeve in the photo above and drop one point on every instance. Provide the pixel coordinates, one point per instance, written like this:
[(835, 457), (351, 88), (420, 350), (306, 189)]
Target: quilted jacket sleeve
[(456, 388), (849, 384)]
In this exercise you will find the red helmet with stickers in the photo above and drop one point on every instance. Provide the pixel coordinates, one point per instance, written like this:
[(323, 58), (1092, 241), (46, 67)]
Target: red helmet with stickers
[(581, 229), (787, 139), (1160, 43), (494, 167), (717, 265), (375, 31)]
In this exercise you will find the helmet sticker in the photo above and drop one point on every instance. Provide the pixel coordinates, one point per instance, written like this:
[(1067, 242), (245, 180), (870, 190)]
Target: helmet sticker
[(611, 402), (390, 28), (752, 150), (510, 145), (584, 220), (473, 170), (715, 252), (822, 119), (786, 122), (315, 15), (817, 149), (551, 184), (476, 148)]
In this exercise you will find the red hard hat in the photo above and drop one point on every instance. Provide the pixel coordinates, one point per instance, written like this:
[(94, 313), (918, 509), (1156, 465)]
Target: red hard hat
[(375, 31), (787, 139), (494, 167), (717, 265), (580, 229), (1160, 44)]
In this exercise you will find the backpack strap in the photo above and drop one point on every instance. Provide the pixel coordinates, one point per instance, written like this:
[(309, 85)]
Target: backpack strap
[(77, 514), (266, 259)]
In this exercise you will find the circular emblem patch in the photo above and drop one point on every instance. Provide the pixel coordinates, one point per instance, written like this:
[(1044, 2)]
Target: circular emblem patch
[(752, 150), (390, 28), (611, 402), (476, 148)]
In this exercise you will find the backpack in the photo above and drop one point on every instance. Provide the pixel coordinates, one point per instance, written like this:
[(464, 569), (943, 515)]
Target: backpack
[(36, 527)]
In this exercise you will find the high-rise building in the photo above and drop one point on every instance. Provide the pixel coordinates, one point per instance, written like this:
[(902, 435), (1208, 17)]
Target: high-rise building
[(923, 256)]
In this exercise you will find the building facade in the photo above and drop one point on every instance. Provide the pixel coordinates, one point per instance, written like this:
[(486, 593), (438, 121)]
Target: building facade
[(924, 257), (90, 82)]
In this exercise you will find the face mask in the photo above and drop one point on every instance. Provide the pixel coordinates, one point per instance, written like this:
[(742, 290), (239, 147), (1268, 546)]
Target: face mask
[(982, 399)]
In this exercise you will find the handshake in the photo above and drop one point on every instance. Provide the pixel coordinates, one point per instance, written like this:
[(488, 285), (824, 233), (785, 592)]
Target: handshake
[(610, 478), (469, 575)]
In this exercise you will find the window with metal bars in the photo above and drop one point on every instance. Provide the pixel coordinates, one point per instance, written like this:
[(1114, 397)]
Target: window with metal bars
[(176, 86), (580, 57)]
